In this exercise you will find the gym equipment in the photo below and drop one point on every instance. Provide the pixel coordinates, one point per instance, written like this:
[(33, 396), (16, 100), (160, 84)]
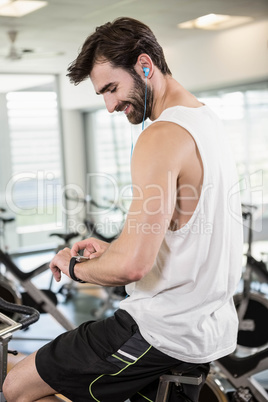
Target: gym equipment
[(42, 300), (7, 327), (252, 306), (26, 317), (178, 378), (240, 372)]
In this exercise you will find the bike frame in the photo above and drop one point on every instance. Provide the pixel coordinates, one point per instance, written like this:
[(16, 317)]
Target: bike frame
[(240, 371), (39, 297)]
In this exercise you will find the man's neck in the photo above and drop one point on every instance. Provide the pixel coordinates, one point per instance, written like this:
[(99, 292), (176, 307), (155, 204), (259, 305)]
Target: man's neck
[(168, 93)]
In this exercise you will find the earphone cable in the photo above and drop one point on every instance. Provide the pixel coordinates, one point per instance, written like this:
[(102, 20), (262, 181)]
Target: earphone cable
[(145, 101)]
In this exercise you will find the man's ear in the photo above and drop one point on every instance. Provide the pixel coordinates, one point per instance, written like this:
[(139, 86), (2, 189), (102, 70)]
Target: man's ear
[(144, 66)]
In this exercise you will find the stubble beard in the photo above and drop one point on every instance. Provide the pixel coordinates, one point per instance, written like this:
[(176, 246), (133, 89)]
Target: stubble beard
[(137, 100)]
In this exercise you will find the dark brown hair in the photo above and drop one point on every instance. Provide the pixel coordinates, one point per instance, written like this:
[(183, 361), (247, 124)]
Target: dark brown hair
[(120, 42)]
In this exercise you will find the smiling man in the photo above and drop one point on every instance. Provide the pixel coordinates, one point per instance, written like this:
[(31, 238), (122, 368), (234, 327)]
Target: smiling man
[(179, 253)]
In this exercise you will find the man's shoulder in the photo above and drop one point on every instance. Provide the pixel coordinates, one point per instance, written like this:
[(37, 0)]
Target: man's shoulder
[(164, 141), (163, 132)]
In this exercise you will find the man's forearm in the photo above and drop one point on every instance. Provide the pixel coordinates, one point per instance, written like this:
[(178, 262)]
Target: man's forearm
[(110, 269)]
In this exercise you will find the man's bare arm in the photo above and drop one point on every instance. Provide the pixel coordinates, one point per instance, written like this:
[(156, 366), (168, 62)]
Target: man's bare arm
[(157, 160)]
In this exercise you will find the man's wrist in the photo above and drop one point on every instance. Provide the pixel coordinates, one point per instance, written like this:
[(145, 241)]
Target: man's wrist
[(73, 262)]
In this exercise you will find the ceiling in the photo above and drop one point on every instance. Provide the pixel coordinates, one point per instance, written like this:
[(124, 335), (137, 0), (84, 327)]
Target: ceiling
[(63, 25)]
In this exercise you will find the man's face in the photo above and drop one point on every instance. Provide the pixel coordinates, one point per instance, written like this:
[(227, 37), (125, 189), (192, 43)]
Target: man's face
[(122, 91)]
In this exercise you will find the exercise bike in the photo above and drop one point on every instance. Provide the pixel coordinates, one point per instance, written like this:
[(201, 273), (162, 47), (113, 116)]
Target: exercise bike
[(235, 379), (252, 305), (26, 316), (7, 327), (90, 227), (43, 300)]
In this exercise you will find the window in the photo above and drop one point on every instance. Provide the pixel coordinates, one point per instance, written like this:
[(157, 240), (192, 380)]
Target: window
[(33, 178), (110, 138), (36, 166), (244, 111)]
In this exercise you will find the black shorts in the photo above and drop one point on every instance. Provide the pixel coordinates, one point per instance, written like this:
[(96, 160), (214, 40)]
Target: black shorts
[(105, 361)]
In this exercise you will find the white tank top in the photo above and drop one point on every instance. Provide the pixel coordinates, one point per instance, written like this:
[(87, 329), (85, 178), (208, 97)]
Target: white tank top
[(184, 305)]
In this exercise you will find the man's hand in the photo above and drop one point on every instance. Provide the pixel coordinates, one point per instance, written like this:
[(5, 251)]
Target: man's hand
[(92, 247), (60, 263)]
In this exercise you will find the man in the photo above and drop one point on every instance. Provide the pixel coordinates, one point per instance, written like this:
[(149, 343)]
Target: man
[(179, 252)]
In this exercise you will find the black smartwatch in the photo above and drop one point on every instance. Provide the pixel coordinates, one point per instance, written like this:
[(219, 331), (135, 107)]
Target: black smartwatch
[(73, 261)]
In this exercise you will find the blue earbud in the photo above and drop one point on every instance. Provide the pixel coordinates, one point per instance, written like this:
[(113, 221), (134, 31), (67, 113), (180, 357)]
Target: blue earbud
[(146, 71)]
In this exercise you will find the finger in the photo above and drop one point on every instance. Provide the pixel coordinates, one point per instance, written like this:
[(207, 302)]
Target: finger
[(55, 271), (88, 245), (80, 245), (88, 253), (95, 251), (57, 275)]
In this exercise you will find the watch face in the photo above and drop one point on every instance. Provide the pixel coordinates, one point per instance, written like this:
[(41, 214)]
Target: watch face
[(81, 258)]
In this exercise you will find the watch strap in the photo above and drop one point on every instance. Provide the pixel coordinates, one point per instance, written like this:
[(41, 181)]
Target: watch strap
[(74, 261)]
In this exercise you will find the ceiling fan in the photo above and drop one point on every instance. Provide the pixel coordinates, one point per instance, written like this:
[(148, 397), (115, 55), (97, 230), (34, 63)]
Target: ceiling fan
[(16, 53)]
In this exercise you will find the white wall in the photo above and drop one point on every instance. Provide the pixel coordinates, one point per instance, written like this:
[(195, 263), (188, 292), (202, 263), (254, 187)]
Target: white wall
[(74, 148), (78, 97), (235, 56)]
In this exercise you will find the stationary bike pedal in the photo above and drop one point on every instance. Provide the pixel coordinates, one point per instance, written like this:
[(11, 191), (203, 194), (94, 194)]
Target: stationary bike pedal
[(242, 395)]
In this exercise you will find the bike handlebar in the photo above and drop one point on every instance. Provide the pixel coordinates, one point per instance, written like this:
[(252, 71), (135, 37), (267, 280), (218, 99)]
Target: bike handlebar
[(85, 200), (89, 200), (11, 266), (31, 313)]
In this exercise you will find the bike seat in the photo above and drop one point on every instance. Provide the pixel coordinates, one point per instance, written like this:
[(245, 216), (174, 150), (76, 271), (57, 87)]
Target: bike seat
[(238, 366), (190, 382), (65, 236)]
